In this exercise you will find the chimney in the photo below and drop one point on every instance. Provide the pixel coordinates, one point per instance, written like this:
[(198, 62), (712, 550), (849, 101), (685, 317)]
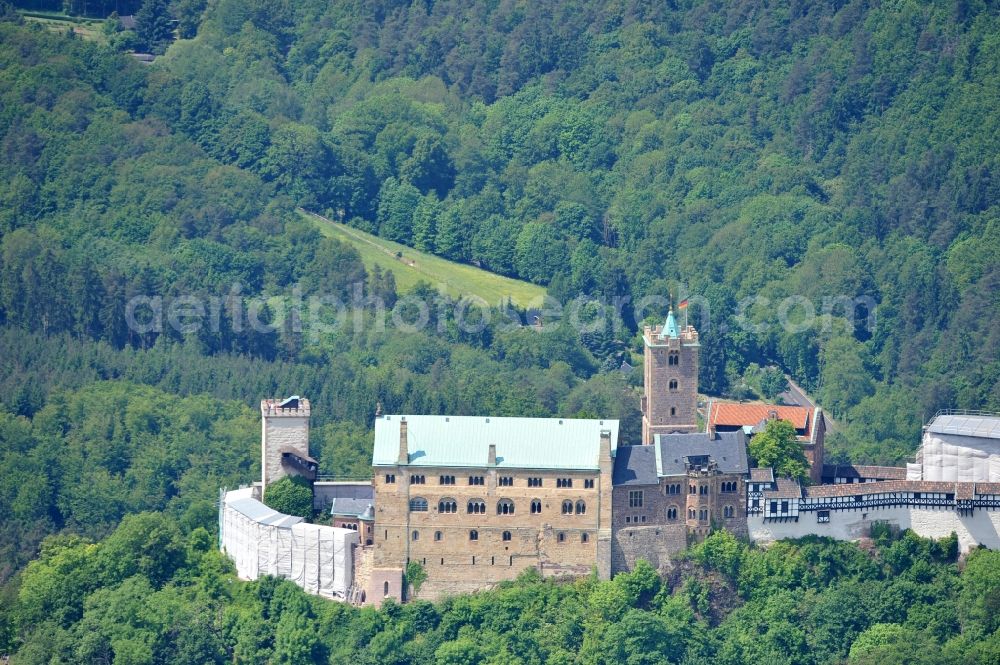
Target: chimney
[(605, 452), (492, 459), (404, 454)]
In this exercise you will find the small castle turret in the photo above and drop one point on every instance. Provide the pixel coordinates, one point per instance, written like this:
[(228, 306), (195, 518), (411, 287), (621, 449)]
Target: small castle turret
[(284, 440)]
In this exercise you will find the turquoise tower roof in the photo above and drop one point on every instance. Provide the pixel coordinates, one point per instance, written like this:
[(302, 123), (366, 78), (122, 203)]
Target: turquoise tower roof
[(670, 326)]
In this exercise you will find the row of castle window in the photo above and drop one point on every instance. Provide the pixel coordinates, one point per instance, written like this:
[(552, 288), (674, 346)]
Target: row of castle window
[(728, 512), (504, 506), (502, 481), (506, 536), (728, 487)]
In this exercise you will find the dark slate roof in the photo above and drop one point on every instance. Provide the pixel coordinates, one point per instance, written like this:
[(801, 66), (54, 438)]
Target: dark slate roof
[(352, 507), (864, 471), (728, 449), (635, 465)]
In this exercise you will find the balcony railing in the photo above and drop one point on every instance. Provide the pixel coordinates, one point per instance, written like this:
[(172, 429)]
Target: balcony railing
[(331, 478)]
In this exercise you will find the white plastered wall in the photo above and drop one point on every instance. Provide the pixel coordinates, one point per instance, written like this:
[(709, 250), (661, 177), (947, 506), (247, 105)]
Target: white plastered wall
[(980, 528)]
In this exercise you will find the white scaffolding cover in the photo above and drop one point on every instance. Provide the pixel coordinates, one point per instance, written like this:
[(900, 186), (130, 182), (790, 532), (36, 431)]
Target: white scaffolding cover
[(956, 458), (262, 541)]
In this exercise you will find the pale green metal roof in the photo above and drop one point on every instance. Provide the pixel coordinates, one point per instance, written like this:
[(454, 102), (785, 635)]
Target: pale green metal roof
[(521, 443), (670, 327)]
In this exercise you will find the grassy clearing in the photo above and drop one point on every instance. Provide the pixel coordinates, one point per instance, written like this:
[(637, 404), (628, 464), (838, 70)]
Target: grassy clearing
[(410, 266), (88, 29)]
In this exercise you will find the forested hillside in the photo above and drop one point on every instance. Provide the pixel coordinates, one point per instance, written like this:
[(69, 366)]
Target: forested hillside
[(718, 150), (809, 602), (724, 150), (709, 150)]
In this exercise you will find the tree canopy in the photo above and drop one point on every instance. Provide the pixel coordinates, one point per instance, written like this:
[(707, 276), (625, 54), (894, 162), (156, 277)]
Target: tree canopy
[(777, 447), (291, 495)]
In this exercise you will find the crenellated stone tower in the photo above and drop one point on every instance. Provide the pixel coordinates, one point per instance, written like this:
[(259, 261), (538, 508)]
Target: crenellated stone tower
[(284, 440), (670, 371)]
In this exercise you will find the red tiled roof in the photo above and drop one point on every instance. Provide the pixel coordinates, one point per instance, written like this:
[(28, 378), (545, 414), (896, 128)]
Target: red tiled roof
[(787, 489), (762, 475), (987, 488), (729, 414), (851, 489)]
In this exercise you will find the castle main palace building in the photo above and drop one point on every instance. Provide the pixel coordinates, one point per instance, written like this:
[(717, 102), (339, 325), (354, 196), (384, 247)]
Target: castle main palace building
[(476, 500)]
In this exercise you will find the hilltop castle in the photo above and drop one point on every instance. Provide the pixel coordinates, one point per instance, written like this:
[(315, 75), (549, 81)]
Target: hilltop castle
[(476, 500)]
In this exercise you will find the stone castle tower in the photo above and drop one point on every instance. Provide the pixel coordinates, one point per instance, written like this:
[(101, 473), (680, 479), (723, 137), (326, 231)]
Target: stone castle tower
[(284, 440), (670, 372)]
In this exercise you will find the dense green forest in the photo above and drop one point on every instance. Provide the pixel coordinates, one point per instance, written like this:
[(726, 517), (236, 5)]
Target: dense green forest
[(709, 150), (717, 150), (903, 600)]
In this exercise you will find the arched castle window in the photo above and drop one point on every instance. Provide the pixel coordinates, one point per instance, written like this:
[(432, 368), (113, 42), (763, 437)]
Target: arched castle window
[(581, 508), (447, 505), (506, 536), (691, 513), (385, 589), (505, 507), (673, 411), (416, 535), (473, 535), (675, 359), (567, 507), (728, 512), (584, 537), (418, 504), (562, 537), (536, 506), (672, 513), (673, 384), (438, 536), (476, 507)]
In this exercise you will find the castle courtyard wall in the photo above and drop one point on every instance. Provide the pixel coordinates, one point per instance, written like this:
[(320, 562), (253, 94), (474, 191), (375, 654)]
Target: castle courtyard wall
[(980, 528)]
